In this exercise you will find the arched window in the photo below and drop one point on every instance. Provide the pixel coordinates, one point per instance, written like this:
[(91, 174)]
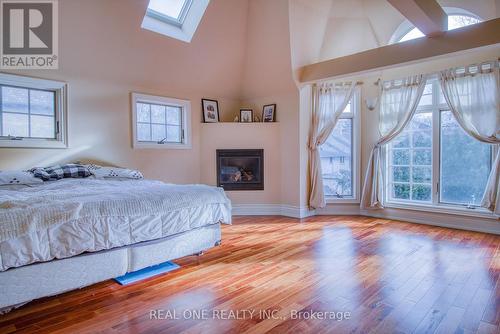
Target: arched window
[(457, 18)]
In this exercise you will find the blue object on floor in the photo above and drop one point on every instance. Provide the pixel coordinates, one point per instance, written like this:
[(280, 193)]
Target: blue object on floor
[(148, 272)]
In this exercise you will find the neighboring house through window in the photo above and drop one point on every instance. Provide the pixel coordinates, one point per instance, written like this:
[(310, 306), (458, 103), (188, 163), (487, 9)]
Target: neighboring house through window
[(340, 156)]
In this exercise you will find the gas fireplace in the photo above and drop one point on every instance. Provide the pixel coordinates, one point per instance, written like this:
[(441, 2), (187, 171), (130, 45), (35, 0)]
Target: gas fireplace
[(240, 169)]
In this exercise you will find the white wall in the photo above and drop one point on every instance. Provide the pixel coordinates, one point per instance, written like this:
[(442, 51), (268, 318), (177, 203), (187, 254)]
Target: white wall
[(105, 55)]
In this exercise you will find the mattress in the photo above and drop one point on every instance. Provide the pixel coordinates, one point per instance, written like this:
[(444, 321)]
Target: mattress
[(141, 210)]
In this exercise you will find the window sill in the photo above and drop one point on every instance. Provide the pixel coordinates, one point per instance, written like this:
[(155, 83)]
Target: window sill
[(336, 200), (28, 143), (446, 209), (162, 146)]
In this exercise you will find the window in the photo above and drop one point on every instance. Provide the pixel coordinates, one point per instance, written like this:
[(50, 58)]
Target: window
[(174, 18), (457, 18), (462, 183), (433, 161), (160, 122), (339, 156), (410, 161), (173, 11), (32, 112)]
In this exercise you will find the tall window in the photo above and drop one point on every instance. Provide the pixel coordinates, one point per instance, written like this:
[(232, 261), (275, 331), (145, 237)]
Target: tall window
[(339, 156), (433, 161), (31, 112), (457, 18), (160, 122)]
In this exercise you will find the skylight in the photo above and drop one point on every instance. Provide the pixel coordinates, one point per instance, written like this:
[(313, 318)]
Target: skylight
[(174, 18), (175, 10), (454, 22)]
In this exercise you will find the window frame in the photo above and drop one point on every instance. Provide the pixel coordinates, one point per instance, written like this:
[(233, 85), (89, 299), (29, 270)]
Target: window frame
[(185, 106), (356, 152), (169, 19), (60, 90), (435, 205)]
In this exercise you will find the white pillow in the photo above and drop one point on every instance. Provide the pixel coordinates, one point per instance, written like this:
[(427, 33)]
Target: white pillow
[(17, 177), (115, 173)]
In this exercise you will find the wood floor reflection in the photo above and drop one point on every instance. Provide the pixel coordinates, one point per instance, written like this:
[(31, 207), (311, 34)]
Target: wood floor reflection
[(282, 275)]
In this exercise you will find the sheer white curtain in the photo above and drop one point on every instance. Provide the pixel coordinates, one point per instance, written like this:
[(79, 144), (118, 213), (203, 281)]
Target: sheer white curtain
[(398, 102), (473, 97), (329, 101)]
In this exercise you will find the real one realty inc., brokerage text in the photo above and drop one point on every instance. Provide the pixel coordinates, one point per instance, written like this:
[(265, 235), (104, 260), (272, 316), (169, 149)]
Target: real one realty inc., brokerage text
[(206, 314)]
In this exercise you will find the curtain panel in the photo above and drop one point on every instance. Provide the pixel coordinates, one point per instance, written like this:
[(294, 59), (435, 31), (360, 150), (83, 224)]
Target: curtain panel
[(329, 101), (472, 93), (398, 103)]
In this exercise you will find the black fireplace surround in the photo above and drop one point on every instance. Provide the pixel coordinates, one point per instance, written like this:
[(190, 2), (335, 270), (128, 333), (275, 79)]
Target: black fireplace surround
[(240, 169)]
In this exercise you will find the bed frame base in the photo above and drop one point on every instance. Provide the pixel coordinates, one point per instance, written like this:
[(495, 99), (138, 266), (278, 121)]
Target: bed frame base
[(21, 285)]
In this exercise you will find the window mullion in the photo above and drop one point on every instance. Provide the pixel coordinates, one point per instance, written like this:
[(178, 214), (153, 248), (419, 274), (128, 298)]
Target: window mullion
[(1, 112), (436, 143), (29, 113)]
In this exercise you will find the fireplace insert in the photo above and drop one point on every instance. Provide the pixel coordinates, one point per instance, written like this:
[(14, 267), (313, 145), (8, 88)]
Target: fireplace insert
[(240, 169)]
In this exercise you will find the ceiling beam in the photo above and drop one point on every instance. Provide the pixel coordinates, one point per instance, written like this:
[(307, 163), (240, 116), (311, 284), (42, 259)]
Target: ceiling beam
[(426, 15), (470, 37)]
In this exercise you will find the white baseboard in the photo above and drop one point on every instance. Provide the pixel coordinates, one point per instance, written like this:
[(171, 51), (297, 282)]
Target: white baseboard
[(271, 210), (477, 224)]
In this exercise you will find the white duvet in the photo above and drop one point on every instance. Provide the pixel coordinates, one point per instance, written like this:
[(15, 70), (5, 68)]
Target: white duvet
[(30, 209), (67, 217)]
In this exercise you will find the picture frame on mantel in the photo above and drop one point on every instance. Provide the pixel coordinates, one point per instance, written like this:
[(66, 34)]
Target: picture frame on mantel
[(269, 113), (210, 110), (246, 115)]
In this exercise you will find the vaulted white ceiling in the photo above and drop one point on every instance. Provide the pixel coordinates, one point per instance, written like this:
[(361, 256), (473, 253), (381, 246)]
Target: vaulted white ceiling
[(326, 29)]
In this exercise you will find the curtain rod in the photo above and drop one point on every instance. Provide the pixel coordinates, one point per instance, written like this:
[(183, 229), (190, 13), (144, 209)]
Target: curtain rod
[(336, 83), (376, 83)]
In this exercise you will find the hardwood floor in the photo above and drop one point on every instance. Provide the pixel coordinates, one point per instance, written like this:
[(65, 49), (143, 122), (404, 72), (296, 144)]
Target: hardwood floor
[(382, 276)]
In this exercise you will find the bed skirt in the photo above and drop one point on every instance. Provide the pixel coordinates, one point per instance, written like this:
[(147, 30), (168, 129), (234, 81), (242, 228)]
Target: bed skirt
[(21, 285)]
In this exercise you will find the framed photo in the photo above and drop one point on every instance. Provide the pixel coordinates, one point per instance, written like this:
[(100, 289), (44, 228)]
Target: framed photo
[(246, 115), (269, 113), (210, 110)]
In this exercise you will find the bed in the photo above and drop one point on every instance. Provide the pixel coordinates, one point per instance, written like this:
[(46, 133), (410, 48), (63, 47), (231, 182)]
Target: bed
[(67, 234)]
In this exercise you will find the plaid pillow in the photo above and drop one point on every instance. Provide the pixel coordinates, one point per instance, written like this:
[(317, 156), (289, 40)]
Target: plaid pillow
[(61, 171)]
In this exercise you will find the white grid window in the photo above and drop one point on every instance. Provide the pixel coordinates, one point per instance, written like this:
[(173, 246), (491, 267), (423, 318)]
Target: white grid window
[(160, 122), (32, 112), (410, 161), (433, 162)]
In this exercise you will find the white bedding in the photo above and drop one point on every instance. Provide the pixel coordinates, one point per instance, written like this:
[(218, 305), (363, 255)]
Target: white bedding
[(68, 217)]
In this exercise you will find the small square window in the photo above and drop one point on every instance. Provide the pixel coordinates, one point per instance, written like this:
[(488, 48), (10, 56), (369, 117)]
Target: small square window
[(161, 122), (32, 112)]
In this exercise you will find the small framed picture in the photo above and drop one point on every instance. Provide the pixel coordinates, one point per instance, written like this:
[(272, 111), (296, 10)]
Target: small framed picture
[(210, 110), (246, 115), (269, 113)]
